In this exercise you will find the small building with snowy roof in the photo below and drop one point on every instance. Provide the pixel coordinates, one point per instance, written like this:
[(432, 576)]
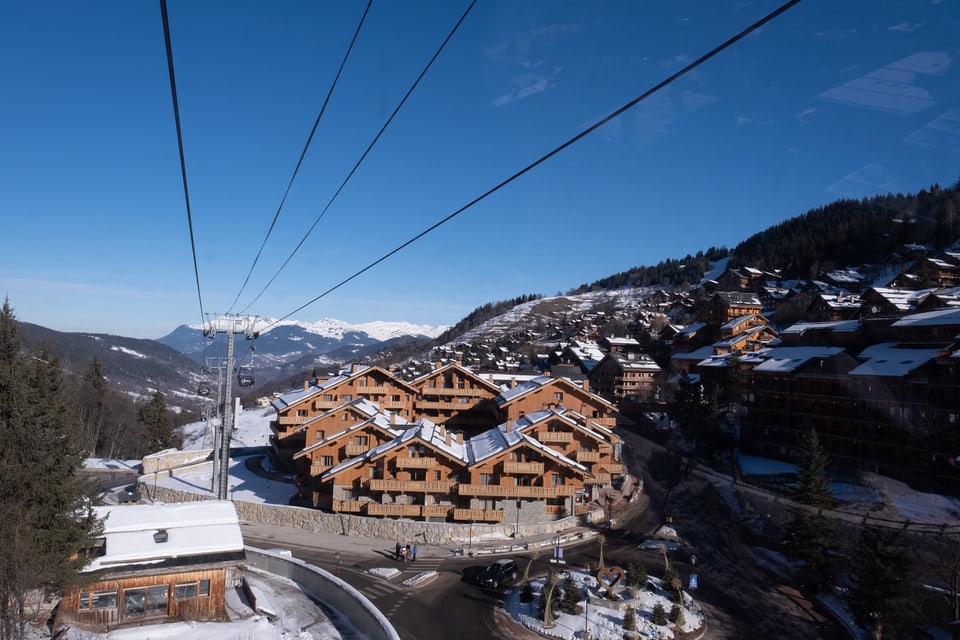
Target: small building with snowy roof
[(156, 562)]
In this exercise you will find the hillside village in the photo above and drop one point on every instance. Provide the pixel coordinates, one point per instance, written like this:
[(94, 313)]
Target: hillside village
[(865, 356)]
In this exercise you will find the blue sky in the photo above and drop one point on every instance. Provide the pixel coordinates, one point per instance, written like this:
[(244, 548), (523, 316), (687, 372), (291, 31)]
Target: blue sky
[(829, 100)]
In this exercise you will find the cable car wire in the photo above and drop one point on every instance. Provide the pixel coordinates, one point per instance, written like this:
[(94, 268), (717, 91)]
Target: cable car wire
[(183, 162), (303, 154), (629, 105), (364, 155)]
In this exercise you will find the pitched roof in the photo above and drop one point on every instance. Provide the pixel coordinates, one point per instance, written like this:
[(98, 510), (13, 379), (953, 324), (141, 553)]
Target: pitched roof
[(890, 360)]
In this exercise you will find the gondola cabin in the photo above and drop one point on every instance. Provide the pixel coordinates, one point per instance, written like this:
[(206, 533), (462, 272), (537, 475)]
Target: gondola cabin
[(245, 376), (204, 388)]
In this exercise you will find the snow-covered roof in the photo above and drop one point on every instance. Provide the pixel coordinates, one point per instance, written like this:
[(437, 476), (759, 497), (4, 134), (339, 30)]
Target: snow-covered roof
[(938, 318), (837, 326), (787, 359), (192, 529), (888, 359)]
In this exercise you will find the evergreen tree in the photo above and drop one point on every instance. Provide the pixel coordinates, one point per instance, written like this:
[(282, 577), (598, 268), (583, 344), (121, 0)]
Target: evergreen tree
[(659, 615), (630, 619), (808, 539), (158, 425), (571, 597), (47, 515), (636, 574), (813, 486), (885, 594)]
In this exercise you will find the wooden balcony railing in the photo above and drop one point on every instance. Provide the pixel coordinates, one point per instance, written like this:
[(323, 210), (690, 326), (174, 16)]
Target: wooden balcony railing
[(434, 405), (348, 506), (605, 448), (601, 477), (317, 468), (293, 419), (581, 509), (555, 509), (523, 467), (554, 436), (425, 486), (377, 509), (356, 449), (435, 510), (406, 462), (516, 492), (446, 392), (482, 515), (588, 456), (613, 467)]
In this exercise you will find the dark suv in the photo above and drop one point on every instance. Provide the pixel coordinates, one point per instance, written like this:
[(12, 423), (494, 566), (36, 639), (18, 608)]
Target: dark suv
[(500, 572)]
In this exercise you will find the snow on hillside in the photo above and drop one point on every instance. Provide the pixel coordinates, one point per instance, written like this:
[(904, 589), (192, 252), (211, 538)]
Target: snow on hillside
[(333, 328), (252, 429)]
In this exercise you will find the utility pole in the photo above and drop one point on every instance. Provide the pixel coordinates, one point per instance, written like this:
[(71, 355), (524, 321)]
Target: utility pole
[(216, 420), (230, 325)]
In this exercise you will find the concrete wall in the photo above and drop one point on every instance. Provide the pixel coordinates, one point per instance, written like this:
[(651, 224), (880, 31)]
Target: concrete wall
[(328, 589)]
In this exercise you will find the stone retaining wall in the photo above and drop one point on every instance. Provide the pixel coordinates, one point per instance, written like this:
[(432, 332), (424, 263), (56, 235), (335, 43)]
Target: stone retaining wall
[(435, 533)]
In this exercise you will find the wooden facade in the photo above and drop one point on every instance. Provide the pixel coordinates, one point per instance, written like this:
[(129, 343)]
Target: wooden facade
[(455, 396), (157, 562), (546, 393)]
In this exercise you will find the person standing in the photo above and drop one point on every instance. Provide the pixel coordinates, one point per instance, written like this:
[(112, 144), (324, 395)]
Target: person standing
[(413, 553), (397, 554)]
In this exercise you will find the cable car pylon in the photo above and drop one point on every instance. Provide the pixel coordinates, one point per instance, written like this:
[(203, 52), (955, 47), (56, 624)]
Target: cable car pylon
[(230, 325)]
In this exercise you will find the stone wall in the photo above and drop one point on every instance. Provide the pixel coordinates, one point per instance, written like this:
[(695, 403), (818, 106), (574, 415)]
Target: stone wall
[(435, 533), (172, 458)]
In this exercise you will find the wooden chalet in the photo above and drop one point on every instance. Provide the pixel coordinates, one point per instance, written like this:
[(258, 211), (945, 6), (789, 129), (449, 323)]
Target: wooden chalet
[(456, 397), (627, 375), (596, 447), (544, 392), (830, 307), (158, 562), (377, 385), (429, 473), (338, 435)]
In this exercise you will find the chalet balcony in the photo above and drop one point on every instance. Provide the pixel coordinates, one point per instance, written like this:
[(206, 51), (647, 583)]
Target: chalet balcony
[(348, 506), (435, 510), (478, 515), (613, 467), (605, 448), (554, 436), (601, 478), (439, 405), (406, 462), (411, 486), (356, 449), (292, 419), (588, 456), (523, 467), (560, 490), (429, 393), (376, 390), (403, 510), (318, 468), (581, 509), (555, 510)]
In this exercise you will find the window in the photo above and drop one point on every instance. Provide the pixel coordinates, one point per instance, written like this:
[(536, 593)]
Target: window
[(395, 398), (436, 475), (556, 480), (486, 479), (326, 461), (362, 382), (328, 397), (191, 589), (362, 440), (98, 600), (344, 417), (302, 413), (319, 435), (558, 396), (346, 398), (149, 601)]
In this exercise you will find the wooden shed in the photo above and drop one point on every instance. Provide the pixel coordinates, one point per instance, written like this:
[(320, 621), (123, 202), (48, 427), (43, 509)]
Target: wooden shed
[(156, 562)]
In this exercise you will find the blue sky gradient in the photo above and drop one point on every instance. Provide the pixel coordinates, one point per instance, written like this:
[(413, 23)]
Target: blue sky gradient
[(830, 100)]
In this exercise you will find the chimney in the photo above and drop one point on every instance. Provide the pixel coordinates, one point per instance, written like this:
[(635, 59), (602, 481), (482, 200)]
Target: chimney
[(354, 367), (393, 418), (586, 385), (509, 426), (459, 437), (437, 365), (306, 385), (446, 437), (513, 382)]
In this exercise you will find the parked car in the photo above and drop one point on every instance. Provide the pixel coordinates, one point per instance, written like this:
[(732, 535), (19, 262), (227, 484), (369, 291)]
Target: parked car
[(498, 573)]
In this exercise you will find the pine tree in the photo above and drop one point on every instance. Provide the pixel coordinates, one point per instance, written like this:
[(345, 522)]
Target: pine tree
[(808, 539), (630, 619), (884, 596), (571, 597), (158, 424), (47, 518), (813, 486), (659, 615)]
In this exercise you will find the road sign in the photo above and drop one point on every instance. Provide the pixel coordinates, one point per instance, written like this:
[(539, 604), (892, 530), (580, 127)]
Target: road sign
[(693, 582), (558, 556)]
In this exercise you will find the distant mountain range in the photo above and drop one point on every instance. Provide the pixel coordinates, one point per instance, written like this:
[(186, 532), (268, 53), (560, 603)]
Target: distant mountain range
[(287, 347)]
